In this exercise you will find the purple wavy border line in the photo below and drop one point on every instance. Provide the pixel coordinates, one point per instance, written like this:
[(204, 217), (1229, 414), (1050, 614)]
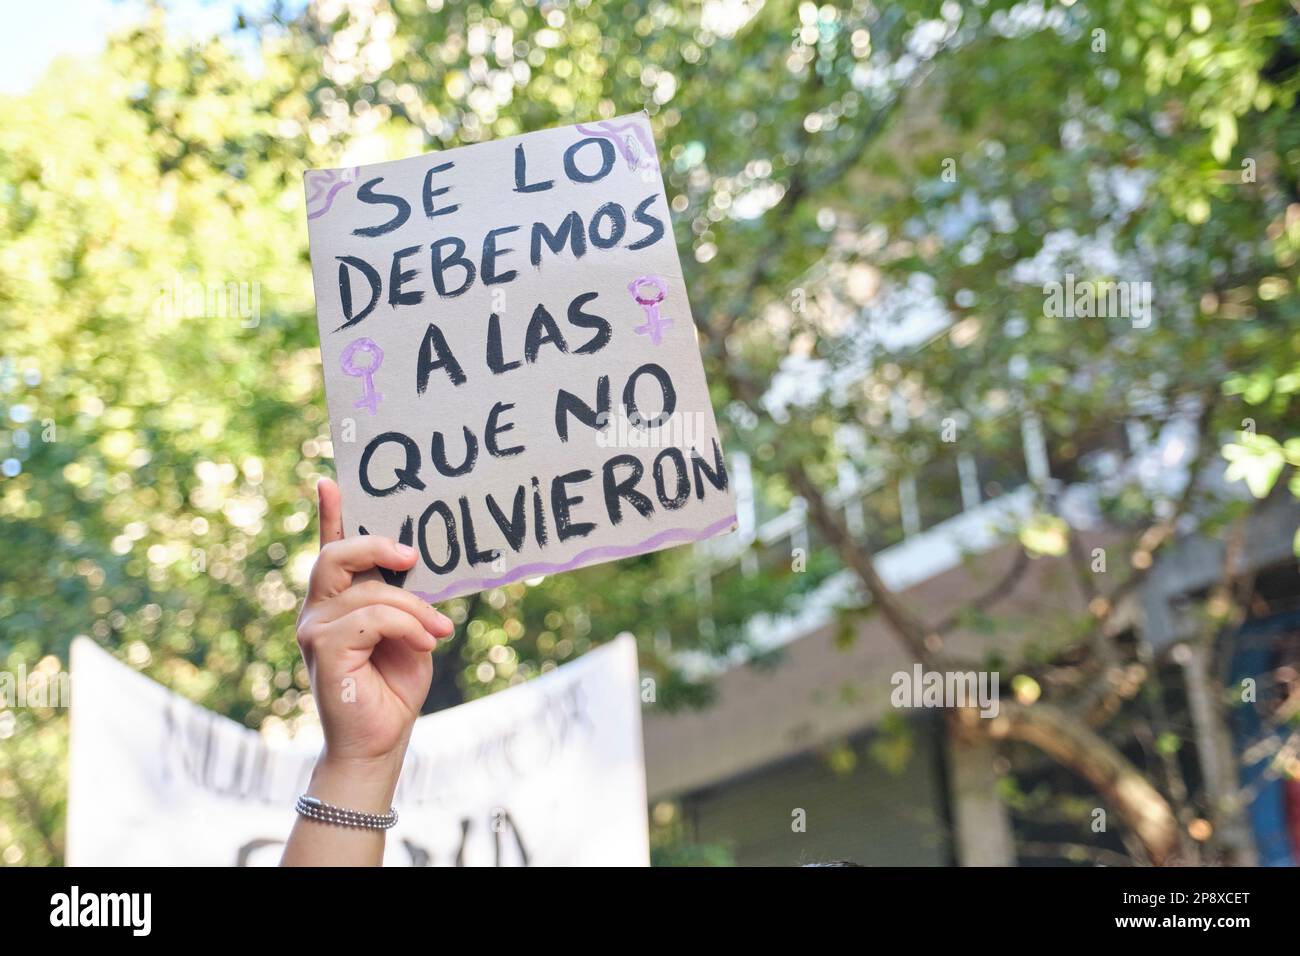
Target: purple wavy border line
[(605, 552), (329, 197)]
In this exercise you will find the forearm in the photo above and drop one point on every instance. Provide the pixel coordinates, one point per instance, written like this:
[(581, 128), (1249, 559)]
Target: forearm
[(357, 785)]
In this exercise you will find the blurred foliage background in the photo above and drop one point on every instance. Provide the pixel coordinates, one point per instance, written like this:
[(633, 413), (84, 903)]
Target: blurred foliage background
[(160, 453)]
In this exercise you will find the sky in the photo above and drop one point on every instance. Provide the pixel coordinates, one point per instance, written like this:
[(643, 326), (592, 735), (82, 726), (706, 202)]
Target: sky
[(44, 29)]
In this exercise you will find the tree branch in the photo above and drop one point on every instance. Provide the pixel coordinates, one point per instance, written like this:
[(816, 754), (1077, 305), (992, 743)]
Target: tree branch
[(1072, 744), (1148, 544), (1002, 588)]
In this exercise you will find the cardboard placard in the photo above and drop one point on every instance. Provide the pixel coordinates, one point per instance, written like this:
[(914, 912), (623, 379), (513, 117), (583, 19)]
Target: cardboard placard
[(514, 381)]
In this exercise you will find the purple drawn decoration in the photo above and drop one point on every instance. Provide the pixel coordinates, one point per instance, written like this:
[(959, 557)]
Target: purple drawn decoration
[(323, 185), (369, 399), (654, 325), (603, 553), (631, 140)]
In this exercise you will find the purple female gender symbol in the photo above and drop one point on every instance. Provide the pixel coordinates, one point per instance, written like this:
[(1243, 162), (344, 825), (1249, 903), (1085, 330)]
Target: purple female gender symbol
[(654, 325), (369, 397)]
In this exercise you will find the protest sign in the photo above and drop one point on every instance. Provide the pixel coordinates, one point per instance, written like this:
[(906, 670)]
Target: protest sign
[(513, 376), (549, 773)]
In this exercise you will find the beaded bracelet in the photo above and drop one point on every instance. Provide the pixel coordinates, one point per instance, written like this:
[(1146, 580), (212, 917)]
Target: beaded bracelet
[(316, 809)]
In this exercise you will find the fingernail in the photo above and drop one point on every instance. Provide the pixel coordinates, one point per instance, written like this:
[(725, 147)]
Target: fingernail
[(405, 551), (444, 620)]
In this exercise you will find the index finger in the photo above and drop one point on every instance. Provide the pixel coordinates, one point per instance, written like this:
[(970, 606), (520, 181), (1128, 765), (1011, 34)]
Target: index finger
[(340, 560)]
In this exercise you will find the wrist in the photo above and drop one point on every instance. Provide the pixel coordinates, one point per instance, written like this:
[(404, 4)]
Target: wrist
[(357, 783)]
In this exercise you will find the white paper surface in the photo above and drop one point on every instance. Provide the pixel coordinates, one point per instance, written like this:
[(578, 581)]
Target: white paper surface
[(550, 773)]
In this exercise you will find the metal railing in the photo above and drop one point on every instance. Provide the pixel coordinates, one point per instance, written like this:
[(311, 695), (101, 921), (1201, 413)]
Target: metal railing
[(970, 502)]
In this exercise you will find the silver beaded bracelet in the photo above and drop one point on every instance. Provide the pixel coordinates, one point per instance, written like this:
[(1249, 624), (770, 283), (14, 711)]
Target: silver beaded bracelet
[(316, 809)]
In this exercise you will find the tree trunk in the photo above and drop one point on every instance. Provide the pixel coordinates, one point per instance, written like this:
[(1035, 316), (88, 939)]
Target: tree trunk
[(1064, 739), (1071, 743), (1218, 761), (983, 834)]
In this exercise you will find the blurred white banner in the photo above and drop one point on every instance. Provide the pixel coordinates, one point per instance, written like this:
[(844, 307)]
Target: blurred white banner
[(549, 773)]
